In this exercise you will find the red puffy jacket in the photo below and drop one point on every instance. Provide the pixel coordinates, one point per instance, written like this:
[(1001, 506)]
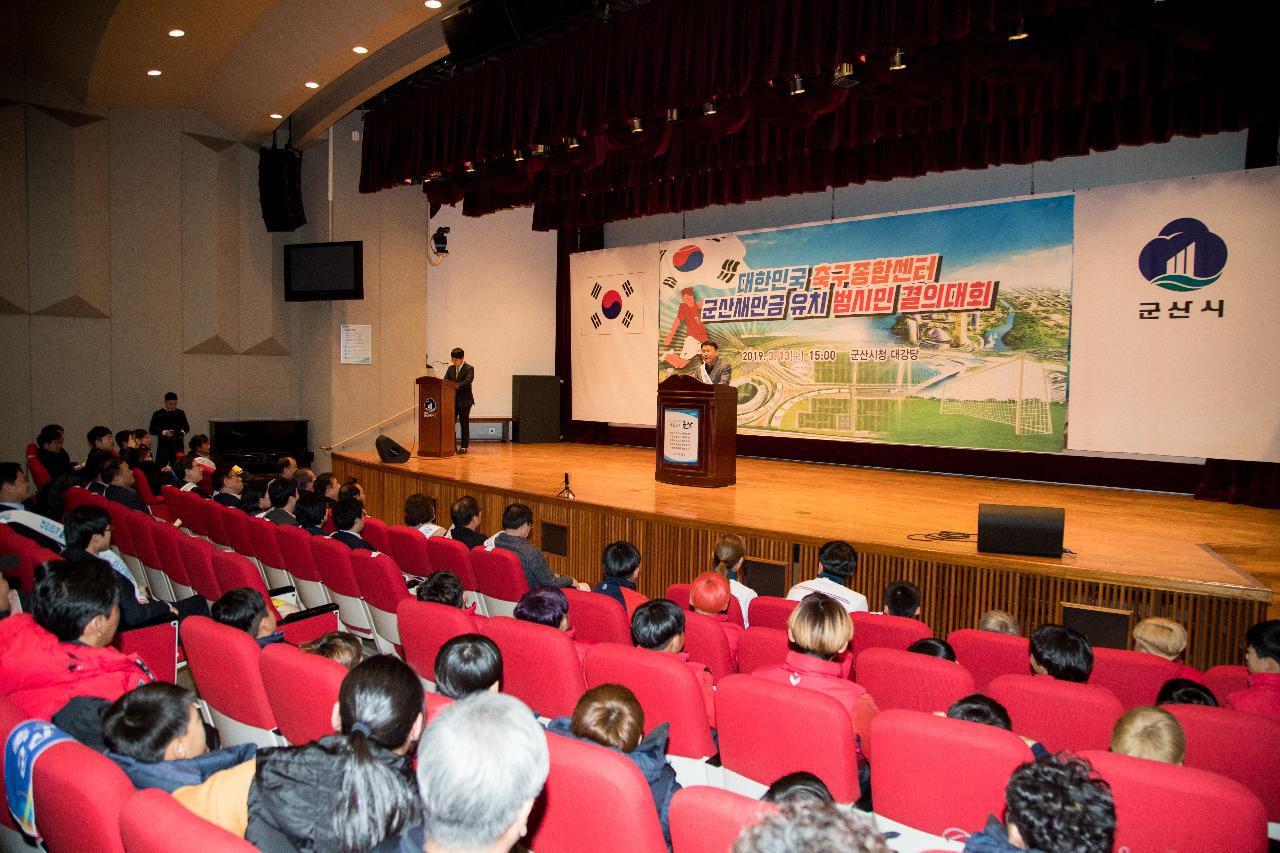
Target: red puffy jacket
[(40, 674)]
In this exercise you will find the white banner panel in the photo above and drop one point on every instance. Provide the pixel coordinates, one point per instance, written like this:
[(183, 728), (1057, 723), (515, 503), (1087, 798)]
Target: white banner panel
[(613, 309), (1176, 305)]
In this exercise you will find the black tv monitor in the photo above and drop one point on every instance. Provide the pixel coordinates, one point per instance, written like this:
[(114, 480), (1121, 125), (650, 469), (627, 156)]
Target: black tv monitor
[(323, 271)]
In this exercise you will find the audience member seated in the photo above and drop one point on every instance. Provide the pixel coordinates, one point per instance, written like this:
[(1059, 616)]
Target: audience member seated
[(348, 517), (821, 629), (799, 788), (245, 610), (621, 563), (805, 827), (191, 474), (1151, 733), (1166, 639), (446, 588), (466, 664), (611, 716), (202, 450), (517, 525), (727, 558), (934, 648), (125, 442), (902, 598), (1062, 653), (1184, 691), (142, 462), (985, 711), (52, 455), (999, 622), (310, 512), (338, 646), (1055, 804), (228, 485), (465, 515), (838, 561), (14, 491), (1262, 659), (549, 606), (157, 736), (253, 497), (658, 625), (326, 485), (62, 649), (351, 490), (102, 446), (481, 765), (282, 492), (305, 478), (709, 595), (286, 468), (420, 512), (118, 478), (351, 790)]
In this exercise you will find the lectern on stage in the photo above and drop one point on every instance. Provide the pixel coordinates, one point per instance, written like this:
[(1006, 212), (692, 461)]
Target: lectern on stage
[(435, 416), (697, 433)]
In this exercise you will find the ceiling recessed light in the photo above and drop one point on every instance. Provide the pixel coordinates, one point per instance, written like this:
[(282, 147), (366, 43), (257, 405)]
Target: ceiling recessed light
[(176, 33), (359, 49), (433, 4), (277, 116), (312, 84), (154, 72)]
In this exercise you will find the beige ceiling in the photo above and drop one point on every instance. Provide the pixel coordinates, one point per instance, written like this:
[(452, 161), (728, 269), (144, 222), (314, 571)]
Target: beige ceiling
[(240, 60)]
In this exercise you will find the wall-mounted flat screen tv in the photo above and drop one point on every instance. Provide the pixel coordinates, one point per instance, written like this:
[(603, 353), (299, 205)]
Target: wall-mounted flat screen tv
[(322, 271)]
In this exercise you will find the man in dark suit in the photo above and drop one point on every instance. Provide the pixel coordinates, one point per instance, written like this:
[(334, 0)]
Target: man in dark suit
[(228, 483), (713, 370), (169, 425), (465, 514), (14, 491), (119, 479), (283, 495), (464, 374), (348, 517)]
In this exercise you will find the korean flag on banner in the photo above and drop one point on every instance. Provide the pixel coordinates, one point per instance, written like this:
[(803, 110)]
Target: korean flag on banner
[(614, 304)]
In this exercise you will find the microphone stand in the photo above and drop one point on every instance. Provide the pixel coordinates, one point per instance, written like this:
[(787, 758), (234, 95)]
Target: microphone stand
[(566, 492)]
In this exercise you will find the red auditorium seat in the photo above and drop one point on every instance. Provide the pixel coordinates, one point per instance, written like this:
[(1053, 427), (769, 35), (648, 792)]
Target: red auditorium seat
[(594, 799), (539, 665), (39, 474), (450, 555), (424, 628), (878, 631), (934, 774), (214, 515), (767, 611), (761, 647), (187, 559), (154, 503), (29, 554), (152, 819), (1240, 746), (74, 497), (224, 666), (266, 549), (375, 532), (898, 679), (1226, 679), (161, 573), (500, 579), (597, 618), (1179, 809), (122, 541), (235, 572), (666, 688), (1058, 714), (155, 645), (10, 716), (295, 547), (382, 586), (301, 690), (236, 523), (434, 703), (408, 547), (704, 819), (333, 562), (79, 795), (1134, 677), (178, 504), (706, 643), (768, 730), (679, 593), (987, 654)]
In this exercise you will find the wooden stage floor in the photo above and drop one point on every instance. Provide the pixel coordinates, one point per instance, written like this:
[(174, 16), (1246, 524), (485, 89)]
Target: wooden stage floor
[(1121, 540)]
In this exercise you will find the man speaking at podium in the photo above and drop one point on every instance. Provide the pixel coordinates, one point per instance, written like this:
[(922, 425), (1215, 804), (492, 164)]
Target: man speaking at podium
[(464, 374), (714, 371)]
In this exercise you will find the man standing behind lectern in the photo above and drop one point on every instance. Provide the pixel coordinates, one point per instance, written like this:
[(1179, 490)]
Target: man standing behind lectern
[(714, 371), (463, 374)]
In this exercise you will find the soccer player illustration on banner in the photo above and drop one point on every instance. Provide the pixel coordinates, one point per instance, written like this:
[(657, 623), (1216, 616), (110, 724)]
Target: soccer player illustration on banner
[(689, 314)]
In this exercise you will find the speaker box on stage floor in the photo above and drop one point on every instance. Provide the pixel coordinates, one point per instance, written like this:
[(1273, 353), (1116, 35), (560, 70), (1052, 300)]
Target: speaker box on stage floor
[(390, 451), (280, 188), (535, 407), (1035, 531)]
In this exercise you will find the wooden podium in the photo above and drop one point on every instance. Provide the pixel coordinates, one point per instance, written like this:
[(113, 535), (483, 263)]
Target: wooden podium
[(435, 416), (697, 433)]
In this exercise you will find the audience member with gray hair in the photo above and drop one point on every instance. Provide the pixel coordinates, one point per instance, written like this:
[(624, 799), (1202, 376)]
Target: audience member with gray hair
[(808, 828)]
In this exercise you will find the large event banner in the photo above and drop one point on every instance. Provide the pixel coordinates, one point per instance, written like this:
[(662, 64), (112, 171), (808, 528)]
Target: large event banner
[(939, 327), (1177, 298)]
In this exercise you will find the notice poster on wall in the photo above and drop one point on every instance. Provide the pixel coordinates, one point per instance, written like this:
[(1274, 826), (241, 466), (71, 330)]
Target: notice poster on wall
[(942, 327), (356, 344), (680, 436)]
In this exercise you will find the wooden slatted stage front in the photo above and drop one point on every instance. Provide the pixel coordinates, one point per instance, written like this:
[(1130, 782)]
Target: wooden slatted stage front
[(1156, 555)]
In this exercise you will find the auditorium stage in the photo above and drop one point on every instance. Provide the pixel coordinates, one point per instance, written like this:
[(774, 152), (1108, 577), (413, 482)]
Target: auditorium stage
[(1152, 554)]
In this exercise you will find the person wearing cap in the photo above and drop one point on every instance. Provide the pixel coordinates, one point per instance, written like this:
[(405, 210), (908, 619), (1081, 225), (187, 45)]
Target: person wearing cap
[(169, 426)]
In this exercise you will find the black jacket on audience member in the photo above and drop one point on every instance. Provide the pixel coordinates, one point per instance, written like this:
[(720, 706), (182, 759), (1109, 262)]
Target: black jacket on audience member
[(467, 536)]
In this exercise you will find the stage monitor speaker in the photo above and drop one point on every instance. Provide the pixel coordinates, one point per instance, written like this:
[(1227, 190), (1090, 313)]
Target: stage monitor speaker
[(478, 29), (280, 188), (1103, 627), (535, 407), (390, 451), (1035, 531)]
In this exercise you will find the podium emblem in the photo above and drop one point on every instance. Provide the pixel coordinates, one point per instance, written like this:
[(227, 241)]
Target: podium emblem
[(429, 407)]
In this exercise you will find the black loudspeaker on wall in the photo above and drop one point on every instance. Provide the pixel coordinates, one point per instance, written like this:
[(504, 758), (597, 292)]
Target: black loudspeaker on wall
[(1032, 530), (280, 188), (535, 407), (389, 451)]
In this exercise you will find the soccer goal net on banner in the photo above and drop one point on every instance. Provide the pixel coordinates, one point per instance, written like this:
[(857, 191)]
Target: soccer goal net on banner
[(1015, 393)]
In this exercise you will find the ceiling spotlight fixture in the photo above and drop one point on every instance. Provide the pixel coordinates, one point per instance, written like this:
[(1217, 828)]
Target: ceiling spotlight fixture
[(433, 4), (1020, 33), (899, 62), (154, 72), (177, 33), (360, 49), (797, 84), (846, 76), (573, 143), (637, 126), (673, 115), (276, 116), (518, 155), (311, 84), (709, 108), (468, 167)]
